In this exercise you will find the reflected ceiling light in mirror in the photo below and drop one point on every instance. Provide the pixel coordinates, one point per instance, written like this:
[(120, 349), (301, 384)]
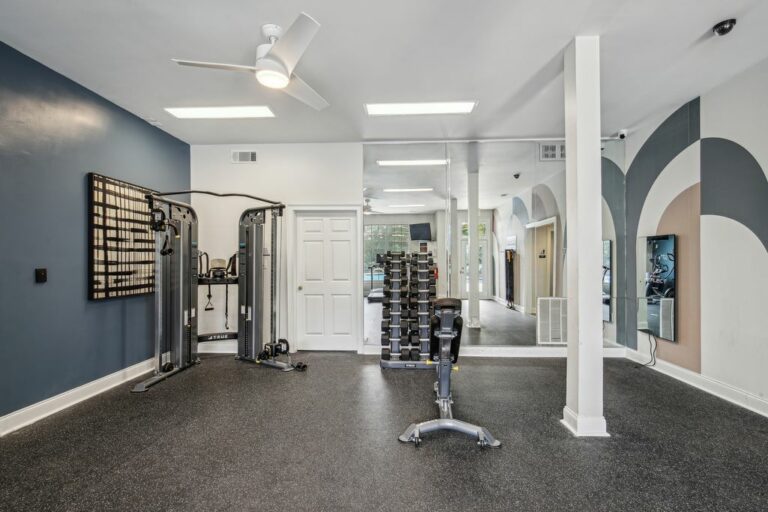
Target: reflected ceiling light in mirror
[(408, 189), (412, 163), (416, 109), (405, 206), (241, 112)]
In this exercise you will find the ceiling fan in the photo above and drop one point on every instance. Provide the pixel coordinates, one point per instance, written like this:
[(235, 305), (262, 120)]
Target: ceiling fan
[(276, 60), (367, 208)]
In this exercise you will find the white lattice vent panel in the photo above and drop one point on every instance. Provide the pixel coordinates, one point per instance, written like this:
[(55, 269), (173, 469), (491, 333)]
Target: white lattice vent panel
[(667, 319), (551, 321), (551, 151), (243, 157)]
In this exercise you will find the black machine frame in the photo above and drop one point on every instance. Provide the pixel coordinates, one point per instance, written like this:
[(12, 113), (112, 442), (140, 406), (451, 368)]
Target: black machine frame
[(177, 275)]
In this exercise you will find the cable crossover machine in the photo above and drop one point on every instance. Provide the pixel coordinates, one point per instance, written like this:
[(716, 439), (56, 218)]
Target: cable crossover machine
[(178, 271)]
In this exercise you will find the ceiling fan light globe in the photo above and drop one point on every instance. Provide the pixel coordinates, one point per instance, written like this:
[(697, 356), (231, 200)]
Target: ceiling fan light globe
[(272, 79)]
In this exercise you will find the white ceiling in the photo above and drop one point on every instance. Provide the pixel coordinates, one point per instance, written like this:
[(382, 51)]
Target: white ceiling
[(498, 162), (505, 54)]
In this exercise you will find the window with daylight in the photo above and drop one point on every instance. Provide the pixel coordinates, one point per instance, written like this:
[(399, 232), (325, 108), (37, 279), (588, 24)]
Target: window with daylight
[(380, 238)]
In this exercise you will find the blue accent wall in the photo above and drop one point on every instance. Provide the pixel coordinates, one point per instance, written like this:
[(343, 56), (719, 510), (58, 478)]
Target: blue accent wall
[(52, 133)]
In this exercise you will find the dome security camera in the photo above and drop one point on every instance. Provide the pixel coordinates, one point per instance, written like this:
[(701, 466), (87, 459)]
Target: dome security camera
[(724, 27), (622, 134), (516, 175)]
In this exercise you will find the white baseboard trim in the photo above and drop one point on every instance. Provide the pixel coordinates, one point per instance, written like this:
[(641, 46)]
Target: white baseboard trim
[(584, 426), (370, 350), (35, 412), (720, 389), (217, 347), (500, 300), (511, 351), (508, 351)]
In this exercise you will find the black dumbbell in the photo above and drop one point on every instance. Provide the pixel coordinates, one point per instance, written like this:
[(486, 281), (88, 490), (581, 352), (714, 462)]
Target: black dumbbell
[(385, 312), (415, 355), (405, 354), (385, 354), (385, 338)]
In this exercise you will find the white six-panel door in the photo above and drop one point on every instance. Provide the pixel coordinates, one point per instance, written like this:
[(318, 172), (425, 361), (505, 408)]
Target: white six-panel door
[(326, 280)]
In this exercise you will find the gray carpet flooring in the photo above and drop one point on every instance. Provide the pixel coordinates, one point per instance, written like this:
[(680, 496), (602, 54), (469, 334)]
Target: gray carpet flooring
[(229, 436), (500, 326)]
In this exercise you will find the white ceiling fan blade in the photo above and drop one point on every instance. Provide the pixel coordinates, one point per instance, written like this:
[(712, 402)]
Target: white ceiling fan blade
[(214, 65), (295, 41), (299, 89)]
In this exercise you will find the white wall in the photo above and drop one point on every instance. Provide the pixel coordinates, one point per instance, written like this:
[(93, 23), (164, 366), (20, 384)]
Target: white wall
[(734, 279), (296, 174)]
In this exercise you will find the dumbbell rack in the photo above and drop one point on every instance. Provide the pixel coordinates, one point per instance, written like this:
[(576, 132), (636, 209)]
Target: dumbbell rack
[(422, 299), (403, 326)]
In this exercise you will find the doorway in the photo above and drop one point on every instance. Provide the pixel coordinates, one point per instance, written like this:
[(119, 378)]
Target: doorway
[(327, 283), (542, 251)]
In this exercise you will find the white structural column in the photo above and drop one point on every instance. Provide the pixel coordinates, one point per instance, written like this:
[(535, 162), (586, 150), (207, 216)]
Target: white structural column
[(473, 219), (453, 255), (583, 412), (441, 250)]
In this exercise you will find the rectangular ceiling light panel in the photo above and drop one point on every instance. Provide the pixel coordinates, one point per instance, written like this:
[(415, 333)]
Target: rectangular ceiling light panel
[(416, 109), (405, 205), (408, 189), (243, 112), (411, 163)]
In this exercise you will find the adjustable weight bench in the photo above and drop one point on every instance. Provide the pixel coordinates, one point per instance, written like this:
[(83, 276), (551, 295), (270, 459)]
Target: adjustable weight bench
[(445, 340)]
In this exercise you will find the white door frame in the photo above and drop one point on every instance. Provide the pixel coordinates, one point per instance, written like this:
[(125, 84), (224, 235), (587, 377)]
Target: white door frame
[(533, 225), (291, 213)]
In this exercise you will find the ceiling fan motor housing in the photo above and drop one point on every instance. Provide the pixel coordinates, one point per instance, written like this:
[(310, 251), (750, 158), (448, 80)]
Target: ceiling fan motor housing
[(272, 32), (262, 50)]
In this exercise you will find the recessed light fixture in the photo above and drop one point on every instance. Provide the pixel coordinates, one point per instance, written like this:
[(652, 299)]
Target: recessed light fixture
[(415, 109), (412, 163), (405, 205), (408, 189), (242, 112)]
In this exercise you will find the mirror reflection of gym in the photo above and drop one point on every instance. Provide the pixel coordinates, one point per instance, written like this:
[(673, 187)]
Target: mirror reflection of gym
[(656, 283)]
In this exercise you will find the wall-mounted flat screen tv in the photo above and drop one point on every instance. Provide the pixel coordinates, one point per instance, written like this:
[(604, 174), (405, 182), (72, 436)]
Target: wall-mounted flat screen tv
[(421, 232)]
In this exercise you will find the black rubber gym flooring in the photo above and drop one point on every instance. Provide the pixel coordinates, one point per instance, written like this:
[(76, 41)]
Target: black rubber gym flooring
[(230, 436)]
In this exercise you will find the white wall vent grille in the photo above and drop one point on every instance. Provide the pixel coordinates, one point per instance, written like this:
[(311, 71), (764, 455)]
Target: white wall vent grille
[(243, 157), (551, 152), (667, 319), (551, 321)]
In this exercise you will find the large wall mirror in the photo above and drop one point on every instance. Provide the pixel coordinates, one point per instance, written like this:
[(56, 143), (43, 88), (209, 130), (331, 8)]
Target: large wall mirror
[(519, 264), (656, 283), (607, 280)]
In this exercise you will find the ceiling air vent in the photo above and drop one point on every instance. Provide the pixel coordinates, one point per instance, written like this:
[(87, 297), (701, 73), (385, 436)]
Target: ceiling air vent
[(243, 157), (550, 152)]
